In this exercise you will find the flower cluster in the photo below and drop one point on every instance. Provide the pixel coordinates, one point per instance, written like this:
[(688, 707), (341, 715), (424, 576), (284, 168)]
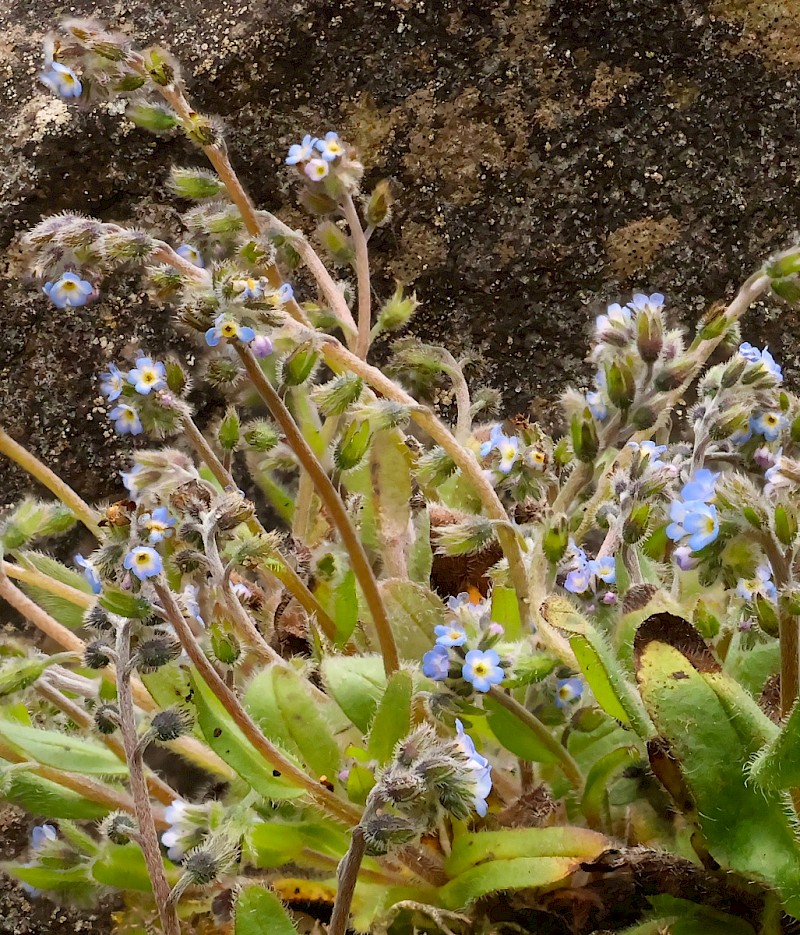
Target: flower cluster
[(694, 517), (450, 659), (316, 155), (146, 377), (585, 574)]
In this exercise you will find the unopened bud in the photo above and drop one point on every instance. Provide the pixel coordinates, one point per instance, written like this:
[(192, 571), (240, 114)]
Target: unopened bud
[(785, 524), (674, 375), (649, 334), (556, 539), (222, 372), (96, 618), (352, 446), (620, 384), (733, 371), (170, 724), (643, 418), (229, 429), (637, 524), (224, 645), (336, 242), (397, 311), (316, 201), (379, 206), (585, 442), (766, 615), (299, 365), (260, 436)]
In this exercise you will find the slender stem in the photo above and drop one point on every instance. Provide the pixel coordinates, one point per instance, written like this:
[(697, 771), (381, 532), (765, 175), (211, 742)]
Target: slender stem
[(565, 760), (362, 276), (148, 836), (190, 747), (338, 356), (463, 401), (333, 505), (333, 294), (325, 800), (581, 475), (51, 481), (788, 626), (39, 580), (163, 792), (290, 580), (348, 877)]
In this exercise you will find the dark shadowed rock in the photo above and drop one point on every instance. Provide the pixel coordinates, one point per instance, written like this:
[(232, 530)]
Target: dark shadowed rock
[(547, 157)]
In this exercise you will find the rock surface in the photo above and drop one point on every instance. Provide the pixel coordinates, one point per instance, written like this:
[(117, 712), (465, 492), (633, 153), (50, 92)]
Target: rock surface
[(548, 158)]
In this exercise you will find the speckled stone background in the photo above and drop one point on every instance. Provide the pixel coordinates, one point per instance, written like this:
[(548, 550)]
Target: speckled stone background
[(547, 156)]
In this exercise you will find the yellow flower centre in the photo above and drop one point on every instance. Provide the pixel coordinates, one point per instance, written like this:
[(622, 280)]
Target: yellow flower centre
[(148, 377), (229, 329), (69, 286), (771, 420), (480, 668), (142, 558)]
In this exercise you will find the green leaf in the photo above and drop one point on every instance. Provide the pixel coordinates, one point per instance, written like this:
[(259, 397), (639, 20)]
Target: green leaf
[(20, 674), (345, 607), (260, 912), (360, 781), (357, 684), (229, 743), (67, 613), (594, 803), (124, 604), (276, 843), (62, 751), (600, 667), (515, 735), (151, 117), (414, 612), (122, 866), (505, 611), (777, 765), (307, 726), (393, 717), (49, 879), (47, 799), (390, 466), (420, 557), (471, 849), (746, 829), (520, 873), (261, 703)]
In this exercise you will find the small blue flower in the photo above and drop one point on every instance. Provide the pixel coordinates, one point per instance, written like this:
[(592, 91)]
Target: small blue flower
[(754, 356), (248, 288), (190, 602), (112, 382), (192, 254), (129, 481), (143, 561), (453, 635), (261, 346), (742, 436), (641, 301), (651, 450), (568, 691), (495, 437), (604, 568), (482, 669), (597, 405), (148, 375), (301, 152), (750, 353), (61, 80), (41, 835), (700, 486), (684, 559), (578, 580), (702, 526), (617, 316), (70, 291), (330, 147), (768, 424), (479, 766), (508, 450), (89, 573), (228, 328), (126, 420), (762, 585), (436, 663), (316, 169), (158, 524), (285, 293)]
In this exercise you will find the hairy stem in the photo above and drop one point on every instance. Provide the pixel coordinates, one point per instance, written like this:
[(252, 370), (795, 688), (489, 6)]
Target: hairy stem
[(362, 276), (325, 800), (333, 505), (565, 760), (347, 879), (461, 391), (788, 626), (148, 836), (39, 580), (51, 481)]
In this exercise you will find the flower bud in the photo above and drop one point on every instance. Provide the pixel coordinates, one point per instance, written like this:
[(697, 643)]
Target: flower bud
[(766, 615), (96, 655), (643, 418), (260, 436), (336, 242), (556, 539), (674, 375), (733, 371), (153, 117), (786, 289), (229, 430), (713, 326), (224, 645), (222, 372), (106, 718), (785, 524), (203, 865), (379, 206), (153, 654), (636, 526), (789, 601), (161, 66), (170, 724), (299, 365), (177, 378), (353, 445), (620, 384), (585, 442), (316, 201), (649, 334), (195, 184), (397, 311), (96, 618)]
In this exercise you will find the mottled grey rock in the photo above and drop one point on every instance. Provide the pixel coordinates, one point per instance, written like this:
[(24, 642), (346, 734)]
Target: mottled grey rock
[(547, 157)]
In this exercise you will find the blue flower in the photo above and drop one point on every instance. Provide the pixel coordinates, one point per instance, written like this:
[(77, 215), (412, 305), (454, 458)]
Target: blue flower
[(482, 669), (228, 328), (597, 405), (330, 147), (650, 450), (148, 375), (702, 526), (604, 568), (143, 561), (436, 663), (754, 356), (129, 481), (192, 254), (617, 316), (190, 602), (261, 346), (89, 573), (578, 580), (495, 436), (248, 288), (700, 486), (742, 436), (479, 766), (158, 524), (61, 80), (684, 559), (567, 691), (508, 449), (641, 301), (316, 169), (126, 420), (768, 424), (762, 585), (301, 152), (112, 382), (70, 291), (453, 635), (41, 835)]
